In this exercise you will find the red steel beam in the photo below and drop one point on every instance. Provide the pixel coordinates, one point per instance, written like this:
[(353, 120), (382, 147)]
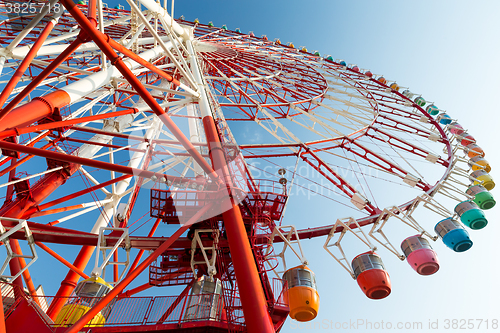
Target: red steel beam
[(7, 90), (91, 9), (57, 210), (42, 76), (172, 307), (102, 42), (62, 260), (129, 278), (135, 290), (64, 123), (84, 161), (33, 210), (38, 108), (252, 296), (2, 318), (141, 252), (139, 60)]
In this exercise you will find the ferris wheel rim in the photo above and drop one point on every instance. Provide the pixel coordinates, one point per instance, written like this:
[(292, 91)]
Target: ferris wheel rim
[(418, 107)]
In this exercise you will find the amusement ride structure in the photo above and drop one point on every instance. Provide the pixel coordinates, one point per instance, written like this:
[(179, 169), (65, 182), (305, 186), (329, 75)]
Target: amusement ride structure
[(117, 125)]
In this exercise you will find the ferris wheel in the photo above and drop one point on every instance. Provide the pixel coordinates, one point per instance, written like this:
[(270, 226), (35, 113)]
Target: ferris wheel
[(152, 152)]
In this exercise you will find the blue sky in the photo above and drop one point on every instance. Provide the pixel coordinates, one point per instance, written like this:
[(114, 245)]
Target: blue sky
[(448, 52)]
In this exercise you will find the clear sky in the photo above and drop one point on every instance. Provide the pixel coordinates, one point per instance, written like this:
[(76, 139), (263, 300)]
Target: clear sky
[(448, 51)]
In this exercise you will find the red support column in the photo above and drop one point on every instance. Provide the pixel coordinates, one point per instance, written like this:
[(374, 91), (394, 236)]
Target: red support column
[(23, 116), (69, 282), (38, 108), (252, 296), (2, 318), (92, 9)]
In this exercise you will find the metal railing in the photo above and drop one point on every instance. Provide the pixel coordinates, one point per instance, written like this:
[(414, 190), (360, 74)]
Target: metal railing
[(280, 288), (153, 310)]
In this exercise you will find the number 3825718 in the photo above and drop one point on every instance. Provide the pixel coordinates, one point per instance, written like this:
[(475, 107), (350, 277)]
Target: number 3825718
[(27, 8)]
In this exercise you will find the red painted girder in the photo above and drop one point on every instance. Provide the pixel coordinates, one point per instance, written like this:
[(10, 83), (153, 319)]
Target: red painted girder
[(51, 234), (37, 80), (29, 212), (336, 180), (38, 108), (134, 274), (186, 327), (86, 161), (92, 9), (62, 260), (103, 42), (57, 235), (14, 79), (402, 144), (24, 159), (252, 296), (56, 124), (141, 61)]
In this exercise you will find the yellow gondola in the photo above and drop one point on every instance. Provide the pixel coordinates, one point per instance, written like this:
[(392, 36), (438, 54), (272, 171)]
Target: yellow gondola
[(88, 293)]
